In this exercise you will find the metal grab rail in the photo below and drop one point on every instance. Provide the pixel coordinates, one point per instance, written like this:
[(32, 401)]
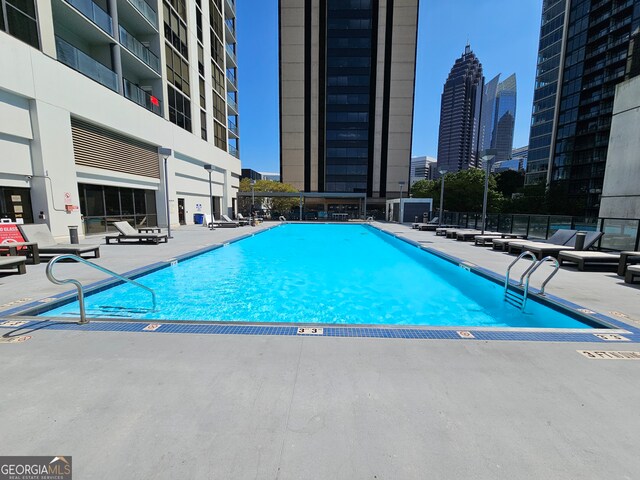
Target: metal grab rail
[(78, 285), (522, 255), (544, 284)]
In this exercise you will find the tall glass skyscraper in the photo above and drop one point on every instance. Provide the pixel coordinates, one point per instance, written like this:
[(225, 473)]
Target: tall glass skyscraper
[(460, 114), (497, 121), (582, 57)]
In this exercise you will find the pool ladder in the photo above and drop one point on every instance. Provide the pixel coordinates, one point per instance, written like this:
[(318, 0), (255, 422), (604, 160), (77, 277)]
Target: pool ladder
[(513, 297), (80, 288)]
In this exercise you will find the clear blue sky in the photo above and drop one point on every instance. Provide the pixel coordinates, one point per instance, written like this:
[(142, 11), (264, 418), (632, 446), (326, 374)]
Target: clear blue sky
[(503, 33)]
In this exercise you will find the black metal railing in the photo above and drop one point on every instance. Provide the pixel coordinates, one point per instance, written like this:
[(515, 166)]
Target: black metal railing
[(619, 233)]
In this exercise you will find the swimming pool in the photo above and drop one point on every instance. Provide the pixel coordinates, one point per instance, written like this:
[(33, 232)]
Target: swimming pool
[(328, 274)]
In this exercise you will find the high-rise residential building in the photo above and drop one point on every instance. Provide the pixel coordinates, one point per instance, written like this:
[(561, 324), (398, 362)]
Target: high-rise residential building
[(347, 70), (91, 90), (460, 114), (582, 57), (497, 120)]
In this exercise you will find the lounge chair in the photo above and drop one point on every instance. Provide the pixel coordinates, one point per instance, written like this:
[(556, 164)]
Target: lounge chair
[(471, 235), (226, 218), (581, 258), (14, 262), (127, 232), (47, 245), (212, 223), (453, 233), (542, 250), (243, 221), (483, 240), (627, 257), (560, 237), (633, 273), (417, 225)]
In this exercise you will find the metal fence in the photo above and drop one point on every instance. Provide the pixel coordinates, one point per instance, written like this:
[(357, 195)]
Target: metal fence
[(619, 233)]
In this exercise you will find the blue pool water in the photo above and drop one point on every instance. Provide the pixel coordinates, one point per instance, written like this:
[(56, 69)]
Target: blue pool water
[(336, 274)]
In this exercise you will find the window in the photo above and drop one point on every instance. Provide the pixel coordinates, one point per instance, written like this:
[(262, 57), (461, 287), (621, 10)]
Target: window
[(203, 124), (219, 108), (101, 206), (217, 79), (20, 20), (220, 136), (179, 108)]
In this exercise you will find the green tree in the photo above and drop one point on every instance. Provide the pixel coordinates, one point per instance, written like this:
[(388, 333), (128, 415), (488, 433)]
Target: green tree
[(509, 182), (463, 191), (271, 204)]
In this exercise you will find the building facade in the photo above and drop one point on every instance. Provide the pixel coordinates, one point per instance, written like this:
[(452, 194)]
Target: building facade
[(582, 57), (89, 93), (421, 169), (498, 117), (347, 71), (460, 114)]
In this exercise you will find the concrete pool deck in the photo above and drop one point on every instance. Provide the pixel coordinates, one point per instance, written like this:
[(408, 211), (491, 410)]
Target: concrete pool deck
[(144, 405)]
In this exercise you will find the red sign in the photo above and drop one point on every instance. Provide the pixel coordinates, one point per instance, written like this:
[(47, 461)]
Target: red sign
[(9, 233)]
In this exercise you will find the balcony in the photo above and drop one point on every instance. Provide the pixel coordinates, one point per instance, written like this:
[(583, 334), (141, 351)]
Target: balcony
[(139, 50), (230, 8), (142, 98), (94, 13), (231, 78), (233, 104), (83, 63), (234, 151), (146, 11), (231, 27), (233, 128), (231, 52)]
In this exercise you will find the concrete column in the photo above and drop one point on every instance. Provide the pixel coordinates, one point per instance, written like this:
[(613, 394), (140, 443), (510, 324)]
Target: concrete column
[(54, 183), (116, 59)]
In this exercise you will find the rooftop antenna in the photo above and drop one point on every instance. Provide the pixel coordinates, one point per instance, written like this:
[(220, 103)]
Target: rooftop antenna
[(467, 49)]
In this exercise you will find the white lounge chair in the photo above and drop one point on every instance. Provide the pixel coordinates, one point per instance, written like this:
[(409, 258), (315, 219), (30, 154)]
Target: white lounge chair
[(127, 232)]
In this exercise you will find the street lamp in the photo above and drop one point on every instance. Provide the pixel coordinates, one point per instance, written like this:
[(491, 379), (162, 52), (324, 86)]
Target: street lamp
[(442, 174), (209, 168), (253, 198), (486, 159), (401, 212), (165, 153)]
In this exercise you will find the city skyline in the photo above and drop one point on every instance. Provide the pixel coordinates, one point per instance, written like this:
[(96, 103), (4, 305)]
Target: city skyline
[(438, 46)]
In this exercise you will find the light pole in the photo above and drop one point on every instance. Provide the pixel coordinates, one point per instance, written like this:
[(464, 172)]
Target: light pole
[(253, 198), (442, 174), (401, 212), (486, 160), (209, 169), (165, 153)]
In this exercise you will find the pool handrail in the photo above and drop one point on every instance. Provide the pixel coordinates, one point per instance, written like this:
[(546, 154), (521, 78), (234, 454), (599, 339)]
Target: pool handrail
[(544, 284), (78, 285)]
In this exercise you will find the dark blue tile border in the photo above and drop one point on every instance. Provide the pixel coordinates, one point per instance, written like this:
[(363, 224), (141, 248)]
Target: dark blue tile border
[(334, 331)]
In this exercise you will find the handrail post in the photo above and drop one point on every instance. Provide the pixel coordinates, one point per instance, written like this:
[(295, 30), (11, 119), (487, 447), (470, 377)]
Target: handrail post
[(78, 285)]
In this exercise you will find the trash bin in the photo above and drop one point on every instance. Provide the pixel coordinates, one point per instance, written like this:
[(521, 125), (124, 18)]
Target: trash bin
[(73, 234), (580, 236), (198, 218)]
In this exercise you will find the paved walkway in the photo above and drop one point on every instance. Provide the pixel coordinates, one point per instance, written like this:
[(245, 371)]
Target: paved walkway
[(161, 406)]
